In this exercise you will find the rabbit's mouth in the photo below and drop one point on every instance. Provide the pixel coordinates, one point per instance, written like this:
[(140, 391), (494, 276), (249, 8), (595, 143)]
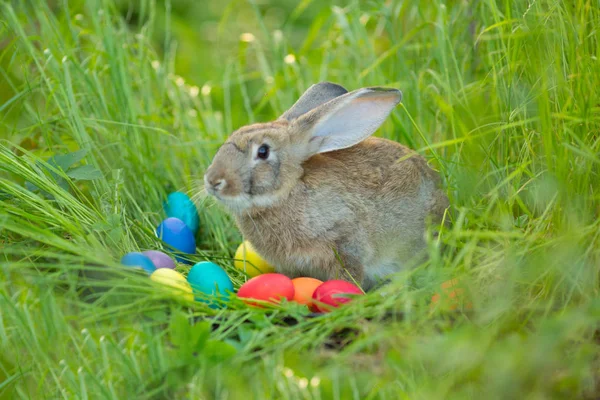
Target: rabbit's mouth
[(243, 202), (236, 204)]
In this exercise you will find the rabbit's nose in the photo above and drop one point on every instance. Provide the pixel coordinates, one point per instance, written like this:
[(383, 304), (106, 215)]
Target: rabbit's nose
[(214, 183), (219, 184)]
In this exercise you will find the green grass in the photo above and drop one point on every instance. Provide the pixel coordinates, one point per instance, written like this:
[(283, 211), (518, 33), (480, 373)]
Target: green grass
[(502, 96)]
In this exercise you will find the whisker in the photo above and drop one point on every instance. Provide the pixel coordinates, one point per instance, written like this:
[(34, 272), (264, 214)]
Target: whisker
[(251, 219)]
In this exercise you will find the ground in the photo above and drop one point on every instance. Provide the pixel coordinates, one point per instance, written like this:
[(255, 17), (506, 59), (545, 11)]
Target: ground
[(107, 106)]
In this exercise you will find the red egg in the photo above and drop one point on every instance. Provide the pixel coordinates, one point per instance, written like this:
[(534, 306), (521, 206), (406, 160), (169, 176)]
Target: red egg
[(267, 287), (331, 294)]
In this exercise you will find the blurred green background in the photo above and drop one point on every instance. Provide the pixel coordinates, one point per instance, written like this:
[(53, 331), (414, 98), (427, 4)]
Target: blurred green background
[(106, 106)]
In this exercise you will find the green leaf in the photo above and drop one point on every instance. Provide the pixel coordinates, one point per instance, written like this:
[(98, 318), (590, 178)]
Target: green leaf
[(188, 338), (116, 234), (199, 334), (114, 220), (245, 334), (64, 161), (64, 185), (179, 330), (218, 351), (85, 173), (31, 187)]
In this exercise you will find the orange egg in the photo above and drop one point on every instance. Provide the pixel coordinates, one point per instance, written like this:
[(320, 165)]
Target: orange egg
[(452, 297), (304, 289)]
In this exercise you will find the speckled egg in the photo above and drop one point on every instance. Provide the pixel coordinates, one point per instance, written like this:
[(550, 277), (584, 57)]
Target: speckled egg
[(138, 260), (332, 294), (267, 287), (160, 259), (174, 282), (175, 233), (249, 261), (179, 205), (210, 279)]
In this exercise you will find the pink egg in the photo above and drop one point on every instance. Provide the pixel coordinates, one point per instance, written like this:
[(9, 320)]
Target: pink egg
[(267, 287), (331, 295)]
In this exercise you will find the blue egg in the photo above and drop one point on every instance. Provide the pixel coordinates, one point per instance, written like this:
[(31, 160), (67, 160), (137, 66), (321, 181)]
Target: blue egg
[(208, 278), (177, 236), (138, 260), (179, 205)]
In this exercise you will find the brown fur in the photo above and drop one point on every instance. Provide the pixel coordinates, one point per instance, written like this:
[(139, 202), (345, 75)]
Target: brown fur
[(366, 204), (344, 197)]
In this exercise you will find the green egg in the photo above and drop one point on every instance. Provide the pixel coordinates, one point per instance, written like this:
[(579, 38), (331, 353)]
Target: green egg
[(210, 279)]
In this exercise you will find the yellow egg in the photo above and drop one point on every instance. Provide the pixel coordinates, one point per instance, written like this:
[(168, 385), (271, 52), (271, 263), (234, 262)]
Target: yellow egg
[(175, 281), (248, 260)]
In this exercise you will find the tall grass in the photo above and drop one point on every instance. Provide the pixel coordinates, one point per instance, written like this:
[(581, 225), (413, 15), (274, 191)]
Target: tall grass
[(503, 98)]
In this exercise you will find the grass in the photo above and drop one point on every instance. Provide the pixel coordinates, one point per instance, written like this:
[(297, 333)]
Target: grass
[(97, 128)]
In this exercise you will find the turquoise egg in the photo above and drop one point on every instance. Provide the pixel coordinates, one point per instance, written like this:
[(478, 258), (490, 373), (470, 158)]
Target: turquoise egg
[(179, 205), (208, 278), (138, 260), (178, 236)]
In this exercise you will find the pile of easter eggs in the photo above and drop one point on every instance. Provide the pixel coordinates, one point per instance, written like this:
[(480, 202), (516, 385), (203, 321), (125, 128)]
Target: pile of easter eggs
[(209, 283), (268, 286), (178, 232), (317, 295)]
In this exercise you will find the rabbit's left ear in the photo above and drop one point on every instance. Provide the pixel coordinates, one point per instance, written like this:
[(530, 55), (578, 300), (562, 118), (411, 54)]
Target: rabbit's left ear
[(314, 96), (346, 120)]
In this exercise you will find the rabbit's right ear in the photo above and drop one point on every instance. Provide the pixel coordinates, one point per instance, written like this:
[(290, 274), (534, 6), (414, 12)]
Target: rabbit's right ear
[(314, 96)]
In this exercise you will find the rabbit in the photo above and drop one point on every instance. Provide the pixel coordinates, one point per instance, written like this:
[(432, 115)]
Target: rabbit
[(317, 196)]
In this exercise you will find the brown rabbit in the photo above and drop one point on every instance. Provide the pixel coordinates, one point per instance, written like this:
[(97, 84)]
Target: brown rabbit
[(316, 196)]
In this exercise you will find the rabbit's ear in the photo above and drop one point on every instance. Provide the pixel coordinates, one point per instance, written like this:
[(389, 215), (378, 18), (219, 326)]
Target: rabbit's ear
[(347, 120), (314, 96)]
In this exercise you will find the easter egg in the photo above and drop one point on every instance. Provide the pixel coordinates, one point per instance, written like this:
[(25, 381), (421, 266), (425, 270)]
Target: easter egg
[(267, 287), (159, 259), (177, 235), (248, 260), (138, 260), (174, 281), (208, 278), (304, 289), (452, 296), (331, 294), (179, 205)]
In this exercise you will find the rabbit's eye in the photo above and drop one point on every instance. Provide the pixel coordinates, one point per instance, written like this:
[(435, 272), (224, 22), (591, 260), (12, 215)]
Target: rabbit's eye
[(263, 152)]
